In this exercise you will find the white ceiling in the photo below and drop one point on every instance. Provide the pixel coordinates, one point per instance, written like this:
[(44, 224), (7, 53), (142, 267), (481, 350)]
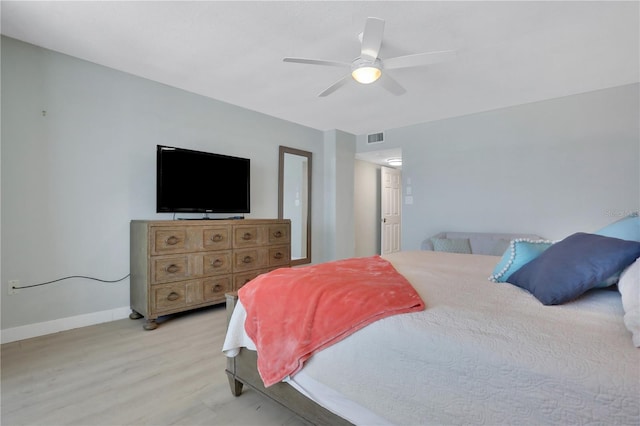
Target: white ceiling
[(509, 53)]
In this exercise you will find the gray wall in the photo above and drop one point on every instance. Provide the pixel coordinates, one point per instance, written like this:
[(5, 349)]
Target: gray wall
[(552, 168), (339, 237), (74, 177), (366, 207)]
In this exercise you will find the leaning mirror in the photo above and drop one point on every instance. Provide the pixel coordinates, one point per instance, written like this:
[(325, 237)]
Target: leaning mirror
[(294, 200)]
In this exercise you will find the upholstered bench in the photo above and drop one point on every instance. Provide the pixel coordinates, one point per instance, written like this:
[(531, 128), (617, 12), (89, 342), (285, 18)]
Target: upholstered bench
[(487, 243)]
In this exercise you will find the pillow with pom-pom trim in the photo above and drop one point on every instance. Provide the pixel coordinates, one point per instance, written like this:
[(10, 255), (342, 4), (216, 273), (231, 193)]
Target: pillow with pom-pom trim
[(520, 252)]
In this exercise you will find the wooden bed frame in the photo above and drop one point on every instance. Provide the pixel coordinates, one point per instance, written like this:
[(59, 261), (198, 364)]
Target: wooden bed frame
[(242, 370)]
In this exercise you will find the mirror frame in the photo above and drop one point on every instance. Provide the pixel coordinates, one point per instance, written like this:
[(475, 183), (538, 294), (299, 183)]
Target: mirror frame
[(308, 155)]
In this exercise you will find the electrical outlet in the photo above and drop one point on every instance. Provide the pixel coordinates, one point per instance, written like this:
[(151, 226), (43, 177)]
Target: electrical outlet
[(12, 284)]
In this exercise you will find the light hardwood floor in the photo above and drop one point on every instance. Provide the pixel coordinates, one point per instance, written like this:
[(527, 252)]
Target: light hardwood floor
[(118, 374)]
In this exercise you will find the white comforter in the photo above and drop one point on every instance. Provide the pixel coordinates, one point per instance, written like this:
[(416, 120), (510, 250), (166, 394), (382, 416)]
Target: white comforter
[(481, 353)]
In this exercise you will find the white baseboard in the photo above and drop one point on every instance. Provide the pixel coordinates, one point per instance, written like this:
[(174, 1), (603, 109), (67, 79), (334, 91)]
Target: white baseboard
[(62, 324)]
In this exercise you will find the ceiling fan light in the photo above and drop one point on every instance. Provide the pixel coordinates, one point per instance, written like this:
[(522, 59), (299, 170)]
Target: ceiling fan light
[(394, 161), (366, 74)]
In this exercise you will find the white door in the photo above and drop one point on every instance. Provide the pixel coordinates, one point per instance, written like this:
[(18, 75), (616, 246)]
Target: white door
[(390, 198)]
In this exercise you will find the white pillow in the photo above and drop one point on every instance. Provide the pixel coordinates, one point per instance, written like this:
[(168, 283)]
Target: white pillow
[(629, 287)]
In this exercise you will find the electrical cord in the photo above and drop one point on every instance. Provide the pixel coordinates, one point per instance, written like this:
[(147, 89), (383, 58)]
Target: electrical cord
[(72, 276)]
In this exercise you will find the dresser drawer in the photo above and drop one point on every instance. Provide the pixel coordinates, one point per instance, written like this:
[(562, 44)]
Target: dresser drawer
[(216, 238), (241, 279), (215, 288), (217, 263), (168, 240), (248, 236), (279, 255), (167, 297), (244, 277), (278, 234), (175, 297), (172, 268), (248, 259)]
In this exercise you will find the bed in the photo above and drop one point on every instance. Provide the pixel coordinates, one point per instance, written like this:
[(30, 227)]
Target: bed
[(481, 352)]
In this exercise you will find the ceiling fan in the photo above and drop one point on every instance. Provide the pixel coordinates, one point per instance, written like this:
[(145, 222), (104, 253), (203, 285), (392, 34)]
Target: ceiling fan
[(368, 67)]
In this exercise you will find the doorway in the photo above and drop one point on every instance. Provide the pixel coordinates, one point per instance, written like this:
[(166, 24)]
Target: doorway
[(391, 210), (367, 200)]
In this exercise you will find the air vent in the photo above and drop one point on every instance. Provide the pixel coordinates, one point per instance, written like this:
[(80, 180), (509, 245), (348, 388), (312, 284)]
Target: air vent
[(375, 138)]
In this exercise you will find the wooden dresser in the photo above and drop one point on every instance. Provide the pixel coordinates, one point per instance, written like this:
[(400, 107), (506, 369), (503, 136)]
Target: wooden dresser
[(181, 265)]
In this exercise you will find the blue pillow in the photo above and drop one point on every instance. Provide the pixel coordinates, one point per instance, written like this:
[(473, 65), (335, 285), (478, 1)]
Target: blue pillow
[(574, 265), (627, 228), (520, 252)]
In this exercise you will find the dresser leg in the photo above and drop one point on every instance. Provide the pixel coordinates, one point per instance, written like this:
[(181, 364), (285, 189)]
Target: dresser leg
[(134, 315), (150, 324)]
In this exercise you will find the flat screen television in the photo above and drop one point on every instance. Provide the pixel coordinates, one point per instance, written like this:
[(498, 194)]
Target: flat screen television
[(200, 182)]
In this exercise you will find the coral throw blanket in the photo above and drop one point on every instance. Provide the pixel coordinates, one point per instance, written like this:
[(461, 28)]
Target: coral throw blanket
[(293, 313)]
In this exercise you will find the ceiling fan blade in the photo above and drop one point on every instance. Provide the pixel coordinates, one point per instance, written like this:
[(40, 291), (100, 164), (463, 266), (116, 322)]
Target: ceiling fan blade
[(418, 59), (372, 38), (317, 62), (391, 85), (335, 86)]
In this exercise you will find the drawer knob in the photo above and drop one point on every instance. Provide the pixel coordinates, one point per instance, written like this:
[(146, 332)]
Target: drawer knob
[(277, 234), (278, 255), (172, 240), (216, 263), (217, 288), (246, 236), (173, 296), (173, 268), (247, 259), (217, 238)]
